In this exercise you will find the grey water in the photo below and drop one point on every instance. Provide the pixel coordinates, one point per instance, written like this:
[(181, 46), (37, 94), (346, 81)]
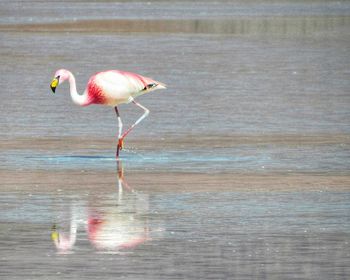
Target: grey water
[(180, 235), (240, 171)]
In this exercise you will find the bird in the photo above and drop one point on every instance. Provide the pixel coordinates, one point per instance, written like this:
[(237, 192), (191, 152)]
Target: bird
[(110, 88)]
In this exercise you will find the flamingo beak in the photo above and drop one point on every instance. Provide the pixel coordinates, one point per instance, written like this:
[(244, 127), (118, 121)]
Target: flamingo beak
[(54, 83), (54, 234)]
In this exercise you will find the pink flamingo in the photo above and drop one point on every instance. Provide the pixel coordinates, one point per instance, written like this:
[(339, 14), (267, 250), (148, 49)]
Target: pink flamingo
[(112, 87)]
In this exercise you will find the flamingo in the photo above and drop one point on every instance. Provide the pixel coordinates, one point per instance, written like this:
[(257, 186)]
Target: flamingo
[(111, 88)]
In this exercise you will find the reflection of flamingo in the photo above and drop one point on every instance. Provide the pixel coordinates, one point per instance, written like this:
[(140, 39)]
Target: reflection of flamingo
[(109, 228), (121, 181), (64, 242), (119, 228), (114, 231), (110, 88)]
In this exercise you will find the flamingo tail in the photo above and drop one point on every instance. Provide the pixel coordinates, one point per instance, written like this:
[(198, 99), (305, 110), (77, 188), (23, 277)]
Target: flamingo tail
[(160, 85)]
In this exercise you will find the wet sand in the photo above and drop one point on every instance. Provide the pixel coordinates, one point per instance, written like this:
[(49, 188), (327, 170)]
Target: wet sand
[(273, 26), (83, 181), (86, 176)]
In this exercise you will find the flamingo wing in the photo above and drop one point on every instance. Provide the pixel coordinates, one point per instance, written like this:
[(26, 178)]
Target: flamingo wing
[(115, 87)]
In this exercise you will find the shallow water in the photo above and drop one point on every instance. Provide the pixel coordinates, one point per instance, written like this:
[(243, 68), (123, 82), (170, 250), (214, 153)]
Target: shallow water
[(49, 11), (240, 171), (240, 158), (168, 234)]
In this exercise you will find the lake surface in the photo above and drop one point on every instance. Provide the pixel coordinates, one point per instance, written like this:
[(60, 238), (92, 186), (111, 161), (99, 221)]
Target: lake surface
[(240, 171)]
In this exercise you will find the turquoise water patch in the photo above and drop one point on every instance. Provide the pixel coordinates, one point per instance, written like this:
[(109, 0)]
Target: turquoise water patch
[(182, 161), (148, 161), (212, 160)]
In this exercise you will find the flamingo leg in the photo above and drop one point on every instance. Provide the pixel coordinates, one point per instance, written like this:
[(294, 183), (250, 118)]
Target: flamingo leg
[(120, 127), (121, 137), (145, 114)]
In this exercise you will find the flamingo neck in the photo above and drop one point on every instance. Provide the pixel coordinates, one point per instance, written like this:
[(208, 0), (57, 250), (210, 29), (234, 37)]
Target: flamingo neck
[(79, 99)]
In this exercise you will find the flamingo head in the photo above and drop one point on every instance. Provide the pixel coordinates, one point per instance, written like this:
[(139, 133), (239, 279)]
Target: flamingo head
[(60, 76)]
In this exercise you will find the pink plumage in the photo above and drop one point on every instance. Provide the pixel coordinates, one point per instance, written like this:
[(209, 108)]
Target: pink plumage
[(112, 87), (115, 87)]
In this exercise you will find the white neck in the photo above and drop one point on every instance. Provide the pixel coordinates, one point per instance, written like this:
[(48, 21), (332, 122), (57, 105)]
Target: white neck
[(78, 99)]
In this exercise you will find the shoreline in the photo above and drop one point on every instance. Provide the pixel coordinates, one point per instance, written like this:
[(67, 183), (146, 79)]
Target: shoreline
[(240, 25), (67, 143), (151, 181)]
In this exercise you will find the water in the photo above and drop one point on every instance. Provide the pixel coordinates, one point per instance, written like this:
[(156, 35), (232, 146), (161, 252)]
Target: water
[(240, 171), (176, 235), (55, 11)]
